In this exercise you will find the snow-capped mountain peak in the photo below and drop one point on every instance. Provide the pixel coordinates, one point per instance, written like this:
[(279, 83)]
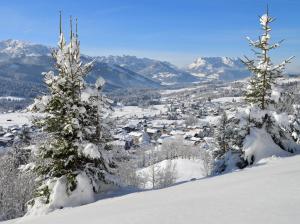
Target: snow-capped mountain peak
[(25, 61), (199, 62), (223, 68), (214, 61), (228, 61), (17, 48)]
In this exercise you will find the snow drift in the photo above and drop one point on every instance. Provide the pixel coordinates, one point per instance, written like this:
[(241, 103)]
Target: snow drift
[(259, 145), (263, 194)]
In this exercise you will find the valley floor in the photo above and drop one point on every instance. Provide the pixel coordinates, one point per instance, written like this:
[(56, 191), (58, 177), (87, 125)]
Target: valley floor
[(266, 193)]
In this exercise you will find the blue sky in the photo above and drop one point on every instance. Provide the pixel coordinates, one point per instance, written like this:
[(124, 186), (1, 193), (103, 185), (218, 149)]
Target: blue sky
[(176, 31)]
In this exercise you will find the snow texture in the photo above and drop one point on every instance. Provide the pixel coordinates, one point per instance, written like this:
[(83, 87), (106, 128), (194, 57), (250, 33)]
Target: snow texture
[(83, 194), (259, 145), (263, 194), (15, 118), (11, 98), (91, 151), (264, 19), (186, 169)]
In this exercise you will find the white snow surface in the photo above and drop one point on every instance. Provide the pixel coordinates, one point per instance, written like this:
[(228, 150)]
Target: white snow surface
[(83, 194), (210, 119), (15, 118), (91, 151), (260, 145), (134, 111), (11, 98), (262, 194), (186, 169), (171, 91), (228, 99)]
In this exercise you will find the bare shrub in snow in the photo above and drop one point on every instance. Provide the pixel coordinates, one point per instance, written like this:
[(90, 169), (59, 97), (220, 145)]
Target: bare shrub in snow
[(129, 177), (158, 175), (191, 120), (154, 168), (207, 161), (16, 186), (166, 175), (175, 148), (127, 165), (153, 175), (285, 102)]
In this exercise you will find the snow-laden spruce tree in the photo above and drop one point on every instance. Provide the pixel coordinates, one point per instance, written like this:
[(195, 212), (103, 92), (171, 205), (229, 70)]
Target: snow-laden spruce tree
[(222, 135), (264, 71), (73, 163), (227, 141)]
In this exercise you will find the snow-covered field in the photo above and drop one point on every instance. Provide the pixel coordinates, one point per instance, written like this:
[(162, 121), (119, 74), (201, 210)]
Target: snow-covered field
[(260, 144), (20, 118), (134, 111), (170, 91), (266, 193), (16, 118), (227, 99), (288, 80), (210, 120), (185, 170), (12, 98)]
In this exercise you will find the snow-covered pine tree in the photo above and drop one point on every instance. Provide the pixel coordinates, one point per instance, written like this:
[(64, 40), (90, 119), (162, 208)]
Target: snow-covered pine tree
[(228, 142), (98, 108), (222, 136), (264, 71), (72, 163)]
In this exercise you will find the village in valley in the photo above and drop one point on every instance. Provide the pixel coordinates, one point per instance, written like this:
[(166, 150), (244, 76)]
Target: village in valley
[(187, 117), (189, 113)]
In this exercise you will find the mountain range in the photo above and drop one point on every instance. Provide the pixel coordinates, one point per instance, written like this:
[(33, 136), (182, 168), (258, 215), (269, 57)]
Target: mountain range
[(218, 68), (21, 65), (159, 71)]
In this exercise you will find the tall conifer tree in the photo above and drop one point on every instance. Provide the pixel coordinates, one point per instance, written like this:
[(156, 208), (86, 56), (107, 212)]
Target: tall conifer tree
[(75, 152), (264, 71)]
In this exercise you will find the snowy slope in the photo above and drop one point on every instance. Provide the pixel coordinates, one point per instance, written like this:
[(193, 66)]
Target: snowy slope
[(260, 144), (185, 170), (263, 194)]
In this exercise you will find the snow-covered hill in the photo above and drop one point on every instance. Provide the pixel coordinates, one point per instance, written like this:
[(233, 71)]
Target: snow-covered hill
[(184, 170), (267, 193), (218, 68)]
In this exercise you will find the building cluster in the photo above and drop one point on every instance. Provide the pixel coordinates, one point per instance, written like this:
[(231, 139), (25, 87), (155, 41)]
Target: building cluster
[(11, 134)]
